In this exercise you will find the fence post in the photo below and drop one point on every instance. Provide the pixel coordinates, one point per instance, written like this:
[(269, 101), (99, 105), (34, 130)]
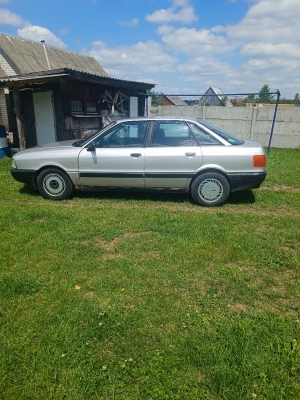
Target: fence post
[(253, 122)]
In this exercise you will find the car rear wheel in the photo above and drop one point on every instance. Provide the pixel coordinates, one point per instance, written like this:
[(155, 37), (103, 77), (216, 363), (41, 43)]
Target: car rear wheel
[(210, 189), (54, 184)]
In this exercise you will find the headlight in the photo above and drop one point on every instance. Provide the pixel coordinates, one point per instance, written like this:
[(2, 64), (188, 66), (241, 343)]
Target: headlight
[(13, 164)]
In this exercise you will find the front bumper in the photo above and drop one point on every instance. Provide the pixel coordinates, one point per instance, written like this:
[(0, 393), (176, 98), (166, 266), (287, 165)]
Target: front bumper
[(24, 175), (246, 181)]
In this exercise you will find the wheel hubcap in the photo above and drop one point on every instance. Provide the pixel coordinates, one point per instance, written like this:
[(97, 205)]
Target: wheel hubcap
[(54, 184), (210, 190)]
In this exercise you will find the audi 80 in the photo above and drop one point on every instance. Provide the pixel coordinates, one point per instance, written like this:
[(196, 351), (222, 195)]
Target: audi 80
[(157, 153)]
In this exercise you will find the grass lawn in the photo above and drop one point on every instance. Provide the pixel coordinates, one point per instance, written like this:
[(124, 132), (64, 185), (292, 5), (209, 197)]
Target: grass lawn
[(142, 296)]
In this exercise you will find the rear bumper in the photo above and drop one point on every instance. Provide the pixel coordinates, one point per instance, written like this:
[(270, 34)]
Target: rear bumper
[(24, 176), (244, 181)]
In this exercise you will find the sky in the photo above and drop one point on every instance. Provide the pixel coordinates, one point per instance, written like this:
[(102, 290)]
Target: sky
[(182, 46)]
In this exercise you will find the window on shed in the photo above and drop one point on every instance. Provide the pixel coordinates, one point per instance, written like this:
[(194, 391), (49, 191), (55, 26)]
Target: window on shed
[(91, 107), (77, 106)]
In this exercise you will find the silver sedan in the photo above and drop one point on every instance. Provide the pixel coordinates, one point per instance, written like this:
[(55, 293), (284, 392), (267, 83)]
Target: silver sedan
[(161, 153)]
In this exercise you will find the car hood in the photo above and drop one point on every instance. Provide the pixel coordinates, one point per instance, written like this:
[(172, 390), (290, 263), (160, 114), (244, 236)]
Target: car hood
[(48, 146)]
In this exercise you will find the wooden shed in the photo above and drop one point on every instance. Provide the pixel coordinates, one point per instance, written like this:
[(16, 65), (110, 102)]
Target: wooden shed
[(49, 94), (62, 104)]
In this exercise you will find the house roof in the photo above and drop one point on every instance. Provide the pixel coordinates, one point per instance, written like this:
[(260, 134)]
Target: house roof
[(21, 56), (176, 100), (220, 94), (54, 75)]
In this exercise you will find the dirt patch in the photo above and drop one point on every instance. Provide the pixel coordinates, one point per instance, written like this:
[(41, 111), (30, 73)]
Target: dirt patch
[(110, 246), (284, 188)]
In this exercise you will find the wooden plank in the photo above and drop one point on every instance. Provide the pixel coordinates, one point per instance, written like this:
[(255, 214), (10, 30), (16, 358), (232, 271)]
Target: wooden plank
[(19, 118)]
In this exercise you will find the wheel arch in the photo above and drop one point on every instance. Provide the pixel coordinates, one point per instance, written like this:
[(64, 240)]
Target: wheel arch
[(208, 170)]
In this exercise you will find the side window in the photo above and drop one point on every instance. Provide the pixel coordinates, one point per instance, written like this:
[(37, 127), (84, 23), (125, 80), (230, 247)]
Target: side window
[(172, 133), (203, 137), (127, 134)]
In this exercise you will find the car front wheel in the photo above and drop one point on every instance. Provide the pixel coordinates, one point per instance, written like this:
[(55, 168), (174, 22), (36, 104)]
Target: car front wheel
[(210, 189), (54, 184)]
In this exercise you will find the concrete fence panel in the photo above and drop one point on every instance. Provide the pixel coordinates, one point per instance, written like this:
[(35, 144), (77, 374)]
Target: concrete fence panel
[(247, 122)]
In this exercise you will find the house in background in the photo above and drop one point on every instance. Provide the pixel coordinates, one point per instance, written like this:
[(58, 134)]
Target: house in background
[(192, 102), (173, 101), (48, 94), (214, 97)]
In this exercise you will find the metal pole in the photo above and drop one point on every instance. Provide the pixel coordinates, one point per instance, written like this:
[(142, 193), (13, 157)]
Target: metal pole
[(274, 118), (45, 50)]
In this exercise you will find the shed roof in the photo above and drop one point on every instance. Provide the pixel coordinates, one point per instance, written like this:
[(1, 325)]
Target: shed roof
[(53, 75), (21, 56)]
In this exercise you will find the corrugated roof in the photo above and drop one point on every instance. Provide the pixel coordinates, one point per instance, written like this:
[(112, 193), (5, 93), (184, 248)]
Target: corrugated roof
[(24, 56), (176, 100), (10, 81), (218, 92)]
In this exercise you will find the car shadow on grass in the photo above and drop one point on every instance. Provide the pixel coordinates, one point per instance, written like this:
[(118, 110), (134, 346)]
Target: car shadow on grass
[(242, 197), (30, 190), (134, 196)]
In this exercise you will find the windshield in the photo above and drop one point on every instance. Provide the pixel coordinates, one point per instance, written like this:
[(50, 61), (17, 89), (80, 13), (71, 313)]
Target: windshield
[(84, 141), (224, 135)]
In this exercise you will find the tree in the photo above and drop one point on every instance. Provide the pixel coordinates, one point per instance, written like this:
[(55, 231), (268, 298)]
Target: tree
[(296, 100), (250, 99), (157, 99), (264, 96), (223, 101)]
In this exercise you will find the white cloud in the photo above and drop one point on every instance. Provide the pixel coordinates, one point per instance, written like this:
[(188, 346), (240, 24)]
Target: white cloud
[(185, 14), (9, 18), (141, 58), (28, 31), (195, 42), (165, 30), (4, 1), (38, 33), (132, 22), (205, 66), (265, 50), (267, 20)]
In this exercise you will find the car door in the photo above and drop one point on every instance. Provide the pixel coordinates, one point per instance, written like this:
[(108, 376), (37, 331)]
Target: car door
[(117, 157), (173, 155)]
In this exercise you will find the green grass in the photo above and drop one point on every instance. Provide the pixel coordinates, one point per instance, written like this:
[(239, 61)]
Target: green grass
[(139, 296)]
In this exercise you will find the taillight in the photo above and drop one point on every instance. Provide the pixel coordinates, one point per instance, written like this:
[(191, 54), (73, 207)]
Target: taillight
[(259, 161)]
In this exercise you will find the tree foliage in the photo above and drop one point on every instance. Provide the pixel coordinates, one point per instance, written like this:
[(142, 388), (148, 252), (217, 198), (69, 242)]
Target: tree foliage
[(264, 96), (157, 99), (223, 101)]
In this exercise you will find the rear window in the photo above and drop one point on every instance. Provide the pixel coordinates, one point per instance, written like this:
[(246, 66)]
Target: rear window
[(203, 137), (224, 135)]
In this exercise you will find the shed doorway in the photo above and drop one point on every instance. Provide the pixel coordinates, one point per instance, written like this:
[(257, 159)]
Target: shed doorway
[(44, 117)]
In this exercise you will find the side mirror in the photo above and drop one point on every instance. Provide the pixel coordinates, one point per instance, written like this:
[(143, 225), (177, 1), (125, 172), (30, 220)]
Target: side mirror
[(91, 146)]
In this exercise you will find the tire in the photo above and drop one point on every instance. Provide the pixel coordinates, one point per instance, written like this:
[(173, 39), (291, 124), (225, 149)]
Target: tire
[(54, 184), (210, 189)]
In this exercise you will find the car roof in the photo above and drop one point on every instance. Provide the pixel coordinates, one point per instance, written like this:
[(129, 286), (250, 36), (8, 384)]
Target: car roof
[(161, 117)]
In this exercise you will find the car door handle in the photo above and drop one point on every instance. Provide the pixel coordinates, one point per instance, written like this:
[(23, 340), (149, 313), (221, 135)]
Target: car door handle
[(190, 154), (135, 155)]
